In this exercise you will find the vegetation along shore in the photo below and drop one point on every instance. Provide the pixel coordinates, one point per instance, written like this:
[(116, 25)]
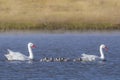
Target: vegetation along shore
[(59, 15)]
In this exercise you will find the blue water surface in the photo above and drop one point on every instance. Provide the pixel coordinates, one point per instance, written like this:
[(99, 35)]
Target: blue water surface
[(68, 45)]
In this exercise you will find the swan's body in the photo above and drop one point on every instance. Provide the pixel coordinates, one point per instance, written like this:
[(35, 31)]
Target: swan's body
[(86, 57), (19, 56)]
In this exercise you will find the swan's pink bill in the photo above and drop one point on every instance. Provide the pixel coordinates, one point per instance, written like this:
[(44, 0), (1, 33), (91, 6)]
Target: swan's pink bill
[(106, 48), (33, 46)]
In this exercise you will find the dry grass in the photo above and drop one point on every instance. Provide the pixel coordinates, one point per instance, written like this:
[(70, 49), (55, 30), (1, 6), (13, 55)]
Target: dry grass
[(60, 11)]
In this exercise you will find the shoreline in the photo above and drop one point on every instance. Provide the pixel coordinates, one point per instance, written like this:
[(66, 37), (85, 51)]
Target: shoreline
[(60, 33), (66, 26)]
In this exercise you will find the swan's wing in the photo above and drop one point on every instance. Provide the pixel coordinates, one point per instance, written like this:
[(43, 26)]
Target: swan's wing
[(9, 54), (15, 55), (83, 55), (9, 51), (12, 53), (86, 57)]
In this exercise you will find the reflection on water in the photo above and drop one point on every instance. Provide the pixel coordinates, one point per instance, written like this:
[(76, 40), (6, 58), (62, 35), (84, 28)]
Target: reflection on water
[(68, 45)]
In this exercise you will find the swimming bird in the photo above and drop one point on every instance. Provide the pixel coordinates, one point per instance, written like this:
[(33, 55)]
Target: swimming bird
[(51, 59), (61, 59), (19, 56), (86, 57), (47, 59)]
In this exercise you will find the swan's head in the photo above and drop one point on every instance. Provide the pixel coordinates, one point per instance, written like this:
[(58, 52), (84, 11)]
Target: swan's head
[(104, 47), (31, 45)]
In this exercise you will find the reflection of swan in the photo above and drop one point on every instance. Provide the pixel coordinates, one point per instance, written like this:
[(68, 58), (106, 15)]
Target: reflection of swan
[(86, 57), (19, 56)]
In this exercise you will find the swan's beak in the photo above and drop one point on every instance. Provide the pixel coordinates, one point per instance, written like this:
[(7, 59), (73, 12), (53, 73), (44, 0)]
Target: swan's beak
[(33, 46), (106, 48)]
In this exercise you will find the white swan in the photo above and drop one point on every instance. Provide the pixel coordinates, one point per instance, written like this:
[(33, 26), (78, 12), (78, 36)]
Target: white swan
[(86, 57), (19, 56)]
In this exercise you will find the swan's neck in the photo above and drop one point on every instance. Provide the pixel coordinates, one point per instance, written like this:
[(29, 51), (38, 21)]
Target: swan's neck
[(30, 52), (101, 54)]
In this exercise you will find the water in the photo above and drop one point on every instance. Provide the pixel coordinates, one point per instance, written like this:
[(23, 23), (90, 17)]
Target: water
[(69, 45)]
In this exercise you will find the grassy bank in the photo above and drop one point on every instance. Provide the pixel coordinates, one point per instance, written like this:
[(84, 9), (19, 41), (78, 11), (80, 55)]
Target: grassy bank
[(58, 26), (59, 14)]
